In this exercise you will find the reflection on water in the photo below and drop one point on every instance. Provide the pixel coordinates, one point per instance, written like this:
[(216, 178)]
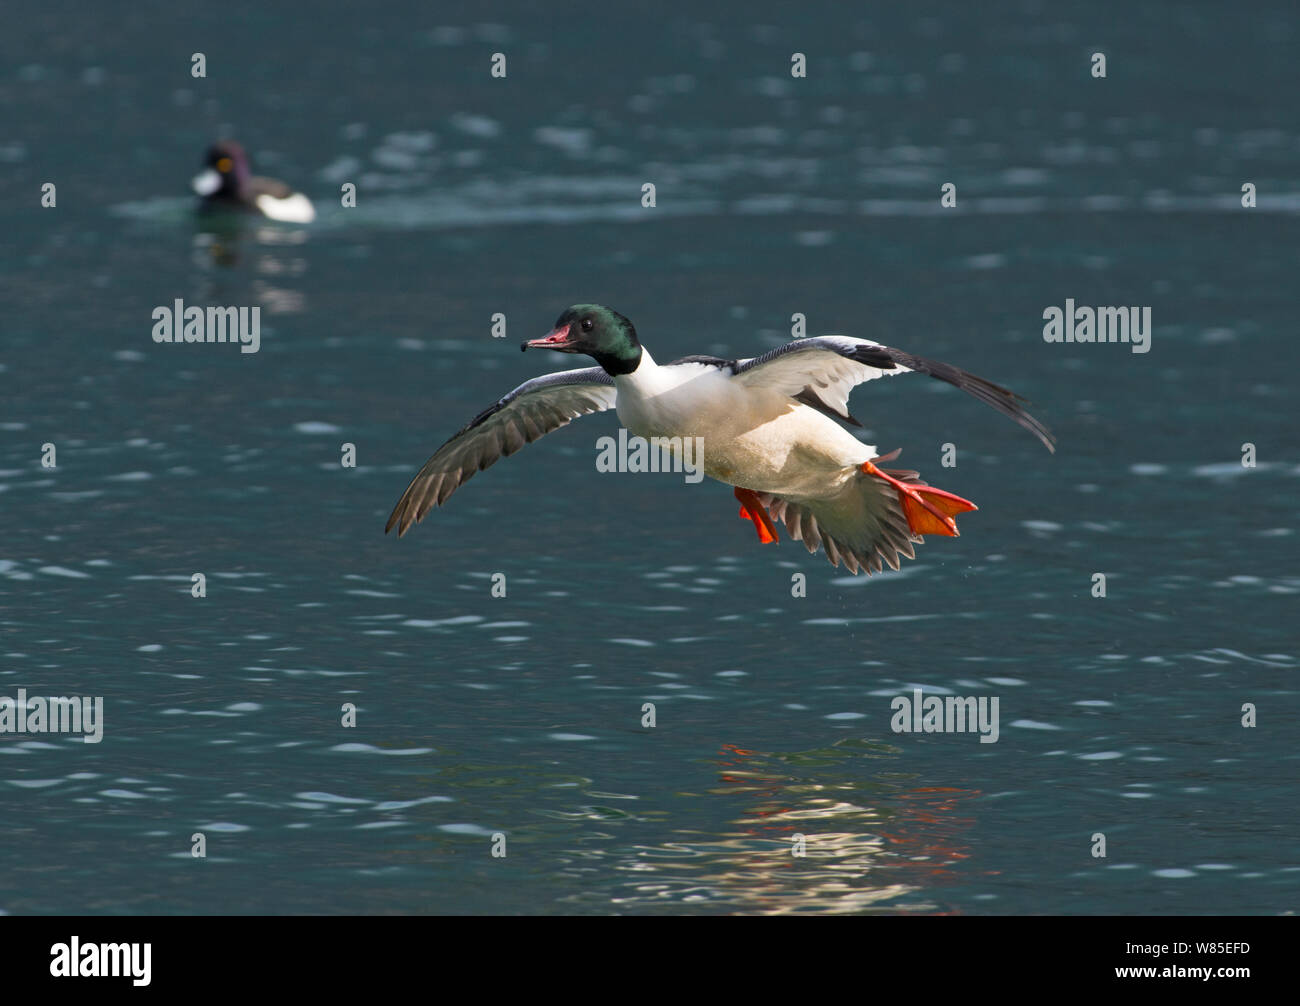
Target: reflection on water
[(274, 253), (869, 844)]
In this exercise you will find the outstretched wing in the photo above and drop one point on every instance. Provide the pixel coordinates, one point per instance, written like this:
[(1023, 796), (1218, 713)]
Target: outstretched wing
[(827, 367), (532, 410)]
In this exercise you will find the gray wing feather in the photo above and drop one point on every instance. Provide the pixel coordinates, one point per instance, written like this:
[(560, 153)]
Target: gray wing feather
[(531, 411), (828, 367)]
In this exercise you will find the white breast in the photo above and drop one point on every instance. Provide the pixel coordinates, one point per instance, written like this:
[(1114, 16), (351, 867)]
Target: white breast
[(675, 401), (752, 437)]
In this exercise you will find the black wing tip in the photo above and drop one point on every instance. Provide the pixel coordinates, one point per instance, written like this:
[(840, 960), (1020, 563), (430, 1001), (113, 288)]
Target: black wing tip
[(1044, 435), (1003, 399)]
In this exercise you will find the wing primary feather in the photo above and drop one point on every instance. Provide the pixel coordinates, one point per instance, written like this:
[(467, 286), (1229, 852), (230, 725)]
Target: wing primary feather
[(998, 397), (806, 366), (527, 413)]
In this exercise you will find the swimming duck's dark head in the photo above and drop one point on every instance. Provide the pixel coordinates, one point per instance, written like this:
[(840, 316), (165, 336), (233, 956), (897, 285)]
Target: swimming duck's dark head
[(225, 170), (604, 335)]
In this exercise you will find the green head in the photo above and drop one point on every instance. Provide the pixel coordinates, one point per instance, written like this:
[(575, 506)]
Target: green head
[(604, 335)]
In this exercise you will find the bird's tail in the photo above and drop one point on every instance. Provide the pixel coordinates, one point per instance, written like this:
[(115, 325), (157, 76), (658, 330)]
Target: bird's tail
[(877, 516)]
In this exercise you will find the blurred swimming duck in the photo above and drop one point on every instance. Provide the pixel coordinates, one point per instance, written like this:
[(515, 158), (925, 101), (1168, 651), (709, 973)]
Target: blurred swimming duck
[(768, 426), (226, 182)]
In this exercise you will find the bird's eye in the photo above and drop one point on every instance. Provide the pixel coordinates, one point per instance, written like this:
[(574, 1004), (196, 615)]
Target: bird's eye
[(225, 164), (586, 324)]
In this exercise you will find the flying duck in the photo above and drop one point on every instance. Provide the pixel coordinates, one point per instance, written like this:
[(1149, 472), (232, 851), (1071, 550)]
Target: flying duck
[(771, 428), (227, 182)]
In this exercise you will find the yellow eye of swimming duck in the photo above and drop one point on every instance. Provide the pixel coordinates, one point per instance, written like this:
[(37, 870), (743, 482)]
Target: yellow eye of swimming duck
[(224, 165)]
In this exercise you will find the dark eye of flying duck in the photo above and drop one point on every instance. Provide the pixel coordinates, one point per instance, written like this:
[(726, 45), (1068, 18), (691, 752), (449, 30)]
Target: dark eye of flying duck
[(604, 335)]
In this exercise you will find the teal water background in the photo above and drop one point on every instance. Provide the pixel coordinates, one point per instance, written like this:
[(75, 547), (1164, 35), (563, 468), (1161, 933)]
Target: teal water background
[(522, 715)]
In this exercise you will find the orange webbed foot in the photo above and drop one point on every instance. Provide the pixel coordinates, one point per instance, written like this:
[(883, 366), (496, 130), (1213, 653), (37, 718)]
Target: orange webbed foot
[(752, 509), (928, 510)]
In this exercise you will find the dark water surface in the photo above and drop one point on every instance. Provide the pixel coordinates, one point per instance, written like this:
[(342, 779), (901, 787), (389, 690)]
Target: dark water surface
[(522, 715)]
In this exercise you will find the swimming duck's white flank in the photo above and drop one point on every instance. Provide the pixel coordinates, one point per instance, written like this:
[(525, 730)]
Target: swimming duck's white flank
[(227, 183), (769, 426)]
